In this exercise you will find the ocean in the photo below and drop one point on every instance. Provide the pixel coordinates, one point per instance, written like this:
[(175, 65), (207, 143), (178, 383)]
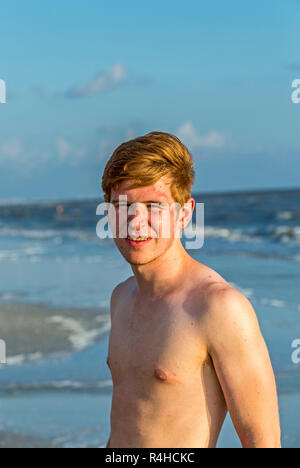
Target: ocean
[(50, 255)]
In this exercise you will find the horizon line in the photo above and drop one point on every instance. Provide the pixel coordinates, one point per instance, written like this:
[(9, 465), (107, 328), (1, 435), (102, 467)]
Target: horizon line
[(85, 198)]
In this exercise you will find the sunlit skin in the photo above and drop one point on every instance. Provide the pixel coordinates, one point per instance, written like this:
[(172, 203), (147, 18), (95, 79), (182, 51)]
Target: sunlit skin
[(148, 221), (185, 346)]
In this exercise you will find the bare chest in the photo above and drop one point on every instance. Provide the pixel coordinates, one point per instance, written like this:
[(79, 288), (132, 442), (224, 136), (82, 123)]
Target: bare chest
[(161, 345)]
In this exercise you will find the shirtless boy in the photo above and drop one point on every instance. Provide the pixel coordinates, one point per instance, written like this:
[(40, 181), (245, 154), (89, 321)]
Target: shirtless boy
[(185, 346)]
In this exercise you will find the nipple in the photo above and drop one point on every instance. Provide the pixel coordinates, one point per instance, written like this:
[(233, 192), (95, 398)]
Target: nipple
[(160, 374), (165, 376)]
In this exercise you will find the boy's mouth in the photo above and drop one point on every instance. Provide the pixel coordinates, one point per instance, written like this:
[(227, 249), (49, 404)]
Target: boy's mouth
[(138, 240)]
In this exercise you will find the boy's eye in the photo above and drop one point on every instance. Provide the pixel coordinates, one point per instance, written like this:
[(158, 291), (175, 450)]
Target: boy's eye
[(160, 206)]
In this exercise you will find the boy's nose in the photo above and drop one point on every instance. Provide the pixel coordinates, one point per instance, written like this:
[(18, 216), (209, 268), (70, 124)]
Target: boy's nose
[(138, 219), (138, 213)]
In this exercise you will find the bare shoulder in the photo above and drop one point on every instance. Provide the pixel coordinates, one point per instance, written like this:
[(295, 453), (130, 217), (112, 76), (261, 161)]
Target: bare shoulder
[(223, 308), (223, 300), (213, 291), (229, 317), (119, 293)]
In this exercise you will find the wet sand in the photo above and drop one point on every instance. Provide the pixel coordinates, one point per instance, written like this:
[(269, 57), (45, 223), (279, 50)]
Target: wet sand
[(14, 440), (33, 331), (30, 330)]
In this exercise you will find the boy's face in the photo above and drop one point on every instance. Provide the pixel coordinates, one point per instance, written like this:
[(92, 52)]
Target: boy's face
[(159, 221)]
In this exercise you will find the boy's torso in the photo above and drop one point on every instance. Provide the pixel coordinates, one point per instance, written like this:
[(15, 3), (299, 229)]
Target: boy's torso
[(166, 392)]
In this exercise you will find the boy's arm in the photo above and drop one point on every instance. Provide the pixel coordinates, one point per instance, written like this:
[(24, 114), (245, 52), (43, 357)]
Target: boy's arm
[(113, 301), (244, 369)]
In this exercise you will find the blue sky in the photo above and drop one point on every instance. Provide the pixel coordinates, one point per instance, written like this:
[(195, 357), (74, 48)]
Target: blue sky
[(84, 76)]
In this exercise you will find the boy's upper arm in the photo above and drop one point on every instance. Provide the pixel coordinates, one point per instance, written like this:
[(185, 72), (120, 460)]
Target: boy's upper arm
[(243, 367)]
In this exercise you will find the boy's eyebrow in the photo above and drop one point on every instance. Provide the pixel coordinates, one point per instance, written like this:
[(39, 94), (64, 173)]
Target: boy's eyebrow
[(145, 201)]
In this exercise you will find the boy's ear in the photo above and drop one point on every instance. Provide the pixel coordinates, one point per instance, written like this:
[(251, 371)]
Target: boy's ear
[(187, 212)]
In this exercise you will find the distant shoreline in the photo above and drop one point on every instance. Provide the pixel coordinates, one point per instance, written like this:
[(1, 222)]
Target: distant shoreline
[(19, 201)]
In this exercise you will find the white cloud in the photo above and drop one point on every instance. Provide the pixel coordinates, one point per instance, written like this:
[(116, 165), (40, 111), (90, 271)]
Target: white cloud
[(63, 148), (103, 82), (188, 134), (25, 157), (11, 149), (112, 135), (68, 152), (20, 157)]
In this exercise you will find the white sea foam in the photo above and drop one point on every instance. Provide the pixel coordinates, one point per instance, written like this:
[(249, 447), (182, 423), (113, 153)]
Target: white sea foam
[(15, 360), (232, 235), (12, 201), (102, 318), (82, 235), (285, 215), (44, 234), (30, 233), (58, 385), (79, 337), (286, 234), (249, 293), (273, 302), (19, 359), (9, 255), (75, 385), (67, 384), (95, 259), (27, 252), (38, 254), (277, 303)]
